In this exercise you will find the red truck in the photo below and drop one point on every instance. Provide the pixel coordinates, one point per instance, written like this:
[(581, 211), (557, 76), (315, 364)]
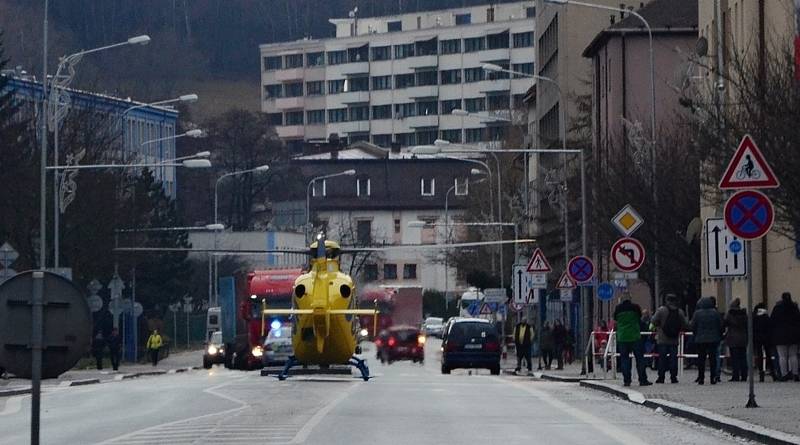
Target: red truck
[(397, 305)]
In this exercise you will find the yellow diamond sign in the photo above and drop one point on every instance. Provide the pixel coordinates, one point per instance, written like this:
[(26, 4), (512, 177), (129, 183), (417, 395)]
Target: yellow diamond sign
[(627, 220)]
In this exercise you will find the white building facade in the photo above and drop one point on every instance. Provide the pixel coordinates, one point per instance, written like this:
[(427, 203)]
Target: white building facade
[(398, 78)]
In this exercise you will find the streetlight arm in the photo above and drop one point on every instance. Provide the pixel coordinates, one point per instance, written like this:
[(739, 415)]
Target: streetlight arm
[(102, 166)]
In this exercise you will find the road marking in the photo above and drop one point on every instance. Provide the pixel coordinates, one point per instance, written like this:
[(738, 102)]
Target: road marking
[(304, 432), (595, 422), (13, 405)]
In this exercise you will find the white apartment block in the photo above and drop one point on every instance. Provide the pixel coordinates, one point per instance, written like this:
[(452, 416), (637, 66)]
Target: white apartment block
[(398, 78)]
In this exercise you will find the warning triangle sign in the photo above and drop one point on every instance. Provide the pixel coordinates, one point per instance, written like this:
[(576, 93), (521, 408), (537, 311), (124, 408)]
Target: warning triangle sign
[(565, 282), (748, 169), (538, 262), (486, 309)]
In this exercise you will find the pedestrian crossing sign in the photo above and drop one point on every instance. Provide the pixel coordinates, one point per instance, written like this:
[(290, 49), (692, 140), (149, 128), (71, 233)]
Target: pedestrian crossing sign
[(538, 262)]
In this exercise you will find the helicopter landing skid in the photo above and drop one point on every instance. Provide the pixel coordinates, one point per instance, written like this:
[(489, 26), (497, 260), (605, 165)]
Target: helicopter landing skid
[(354, 361), (361, 365), (290, 363)]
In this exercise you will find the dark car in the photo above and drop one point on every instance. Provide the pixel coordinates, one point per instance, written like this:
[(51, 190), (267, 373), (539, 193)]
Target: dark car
[(402, 343), (471, 343)]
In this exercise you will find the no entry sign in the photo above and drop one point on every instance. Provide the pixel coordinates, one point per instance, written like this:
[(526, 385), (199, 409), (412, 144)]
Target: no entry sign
[(749, 214)]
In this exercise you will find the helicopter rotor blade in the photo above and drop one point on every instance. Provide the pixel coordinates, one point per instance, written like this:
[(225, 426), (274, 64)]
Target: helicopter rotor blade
[(435, 246)]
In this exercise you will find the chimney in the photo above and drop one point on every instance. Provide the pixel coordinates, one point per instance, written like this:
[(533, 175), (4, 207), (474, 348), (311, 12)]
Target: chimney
[(395, 147)]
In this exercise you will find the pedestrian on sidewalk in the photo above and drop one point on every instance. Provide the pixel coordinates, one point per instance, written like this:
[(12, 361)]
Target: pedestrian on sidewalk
[(707, 327), (154, 344), (523, 339), (735, 324), (98, 345), (669, 320), (547, 345), (785, 320), (762, 341), (629, 340), (114, 342), (559, 339)]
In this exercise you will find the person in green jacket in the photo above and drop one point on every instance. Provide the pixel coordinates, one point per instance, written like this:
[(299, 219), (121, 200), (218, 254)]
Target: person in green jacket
[(629, 339), (154, 344)]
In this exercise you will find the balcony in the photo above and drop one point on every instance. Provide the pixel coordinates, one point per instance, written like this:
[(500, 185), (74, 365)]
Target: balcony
[(353, 97), (423, 61), (290, 131), (423, 121), (421, 91), (289, 75), (289, 103)]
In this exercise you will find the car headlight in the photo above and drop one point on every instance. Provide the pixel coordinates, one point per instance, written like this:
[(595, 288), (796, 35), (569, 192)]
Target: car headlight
[(212, 350), (421, 339), (364, 332), (258, 351)]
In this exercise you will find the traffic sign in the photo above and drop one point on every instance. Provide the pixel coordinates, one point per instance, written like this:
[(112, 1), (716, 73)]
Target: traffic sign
[(748, 169), (523, 285), (722, 261), (538, 262), (115, 286), (628, 254), (735, 246), (566, 282), (581, 269), (516, 307), (565, 295), (605, 292), (7, 255), (115, 306), (495, 295), (749, 214), (95, 303), (627, 220), (538, 281), (486, 309)]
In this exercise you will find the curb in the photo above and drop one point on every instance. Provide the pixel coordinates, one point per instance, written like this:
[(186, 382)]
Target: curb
[(15, 392), (83, 382), (735, 427), (561, 378)]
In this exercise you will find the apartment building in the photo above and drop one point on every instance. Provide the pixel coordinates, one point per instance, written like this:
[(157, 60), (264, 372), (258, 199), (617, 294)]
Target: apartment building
[(397, 79)]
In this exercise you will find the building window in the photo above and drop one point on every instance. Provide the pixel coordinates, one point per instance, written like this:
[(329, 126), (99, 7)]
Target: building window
[(427, 47), (337, 115), (449, 105), (360, 54), (320, 188), (315, 88), (549, 125), (475, 105), (397, 226), (404, 80), (474, 135), (450, 77), (497, 41), (357, 84), (315, 117), (461, 186), (450, 46), (495, 75), (363, 187), (496, 102), (273, 63), (359, 113), (315, 59), (463, 19), (453, 136), (352, 138), (381, 53), (474, 75), (523, 39), (382, 140), (495, 132), (382, 83), (294, 118), (426, 136), (273, 91), (294, 89), (337, 57), (530, 12), (473, 44), (335, 86), (370, 272), (403, 51), (409, 271), (427, 108), (427, 78), (405, 110), (405, 139), (395, 26), (390, 271), (489, 15), (294, 61), (427, 186), (275, 119), (381, 111), (548, 43), (364, 232), (524, 68)]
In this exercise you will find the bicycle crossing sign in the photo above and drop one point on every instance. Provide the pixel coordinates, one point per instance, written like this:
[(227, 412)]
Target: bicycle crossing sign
[(748, 169)]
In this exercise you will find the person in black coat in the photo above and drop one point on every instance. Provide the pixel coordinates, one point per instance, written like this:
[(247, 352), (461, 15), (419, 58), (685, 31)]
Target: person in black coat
[(785, 320), (559, 339), (736, 339), (98, 345), (114, 342), (761, 340)]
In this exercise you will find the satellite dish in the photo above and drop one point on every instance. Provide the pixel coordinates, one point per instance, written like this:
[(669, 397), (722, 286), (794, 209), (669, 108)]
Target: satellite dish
[(701, 47), (693, 230)]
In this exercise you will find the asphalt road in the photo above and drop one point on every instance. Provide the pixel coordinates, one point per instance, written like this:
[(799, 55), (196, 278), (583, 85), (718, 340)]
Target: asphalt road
[(404, 403)]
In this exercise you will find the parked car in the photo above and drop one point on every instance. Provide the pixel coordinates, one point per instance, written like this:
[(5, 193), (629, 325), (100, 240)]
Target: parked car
[(215, 351), (471, 343), (403, 343), (278, 345), (434, 326)]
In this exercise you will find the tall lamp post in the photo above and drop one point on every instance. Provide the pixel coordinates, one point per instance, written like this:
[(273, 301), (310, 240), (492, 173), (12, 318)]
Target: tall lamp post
[(350, 172), (185, 98), (58, 101)]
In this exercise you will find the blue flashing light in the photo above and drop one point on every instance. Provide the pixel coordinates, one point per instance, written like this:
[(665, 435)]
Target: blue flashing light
[(275, 325)]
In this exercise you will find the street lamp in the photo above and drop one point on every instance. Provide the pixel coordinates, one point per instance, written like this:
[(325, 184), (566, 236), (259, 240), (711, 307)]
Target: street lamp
[(350, 172), (188, 163), (196, 133), (186, 98), (57, 102), (259, 169)]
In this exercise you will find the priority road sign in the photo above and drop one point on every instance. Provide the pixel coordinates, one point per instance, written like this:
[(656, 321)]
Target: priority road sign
[(538, 262), (566, 282), (628, 254), (749, 214), (627, 220), (580, 269), (721, 261), (748, 169)]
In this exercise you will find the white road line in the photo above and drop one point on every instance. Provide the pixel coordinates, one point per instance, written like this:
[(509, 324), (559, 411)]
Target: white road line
[(13, 405), (595, 422), (304, 432)]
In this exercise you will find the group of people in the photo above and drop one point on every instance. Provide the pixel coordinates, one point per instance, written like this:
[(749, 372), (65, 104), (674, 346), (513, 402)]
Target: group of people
[(774, 335), (112, 341), (555, 342)]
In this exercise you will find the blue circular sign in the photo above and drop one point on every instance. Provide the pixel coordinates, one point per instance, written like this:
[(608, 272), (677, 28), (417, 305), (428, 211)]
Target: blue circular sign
[(581, 269), (605, 292), (749, 214), (735, 246)]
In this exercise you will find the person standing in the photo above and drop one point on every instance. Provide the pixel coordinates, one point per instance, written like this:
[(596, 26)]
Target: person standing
[(706, 324), (114, 342), (735, 324), (154, 344), (785, 320), (547, 345), (98, 345), (762, 341), (559, 338), (669, 320), (629, 340), (523, 339)]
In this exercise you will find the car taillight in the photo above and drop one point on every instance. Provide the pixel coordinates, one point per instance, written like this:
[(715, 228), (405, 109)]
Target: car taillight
[(392, 342), (378, 342), (421, 340), (491, 346)]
